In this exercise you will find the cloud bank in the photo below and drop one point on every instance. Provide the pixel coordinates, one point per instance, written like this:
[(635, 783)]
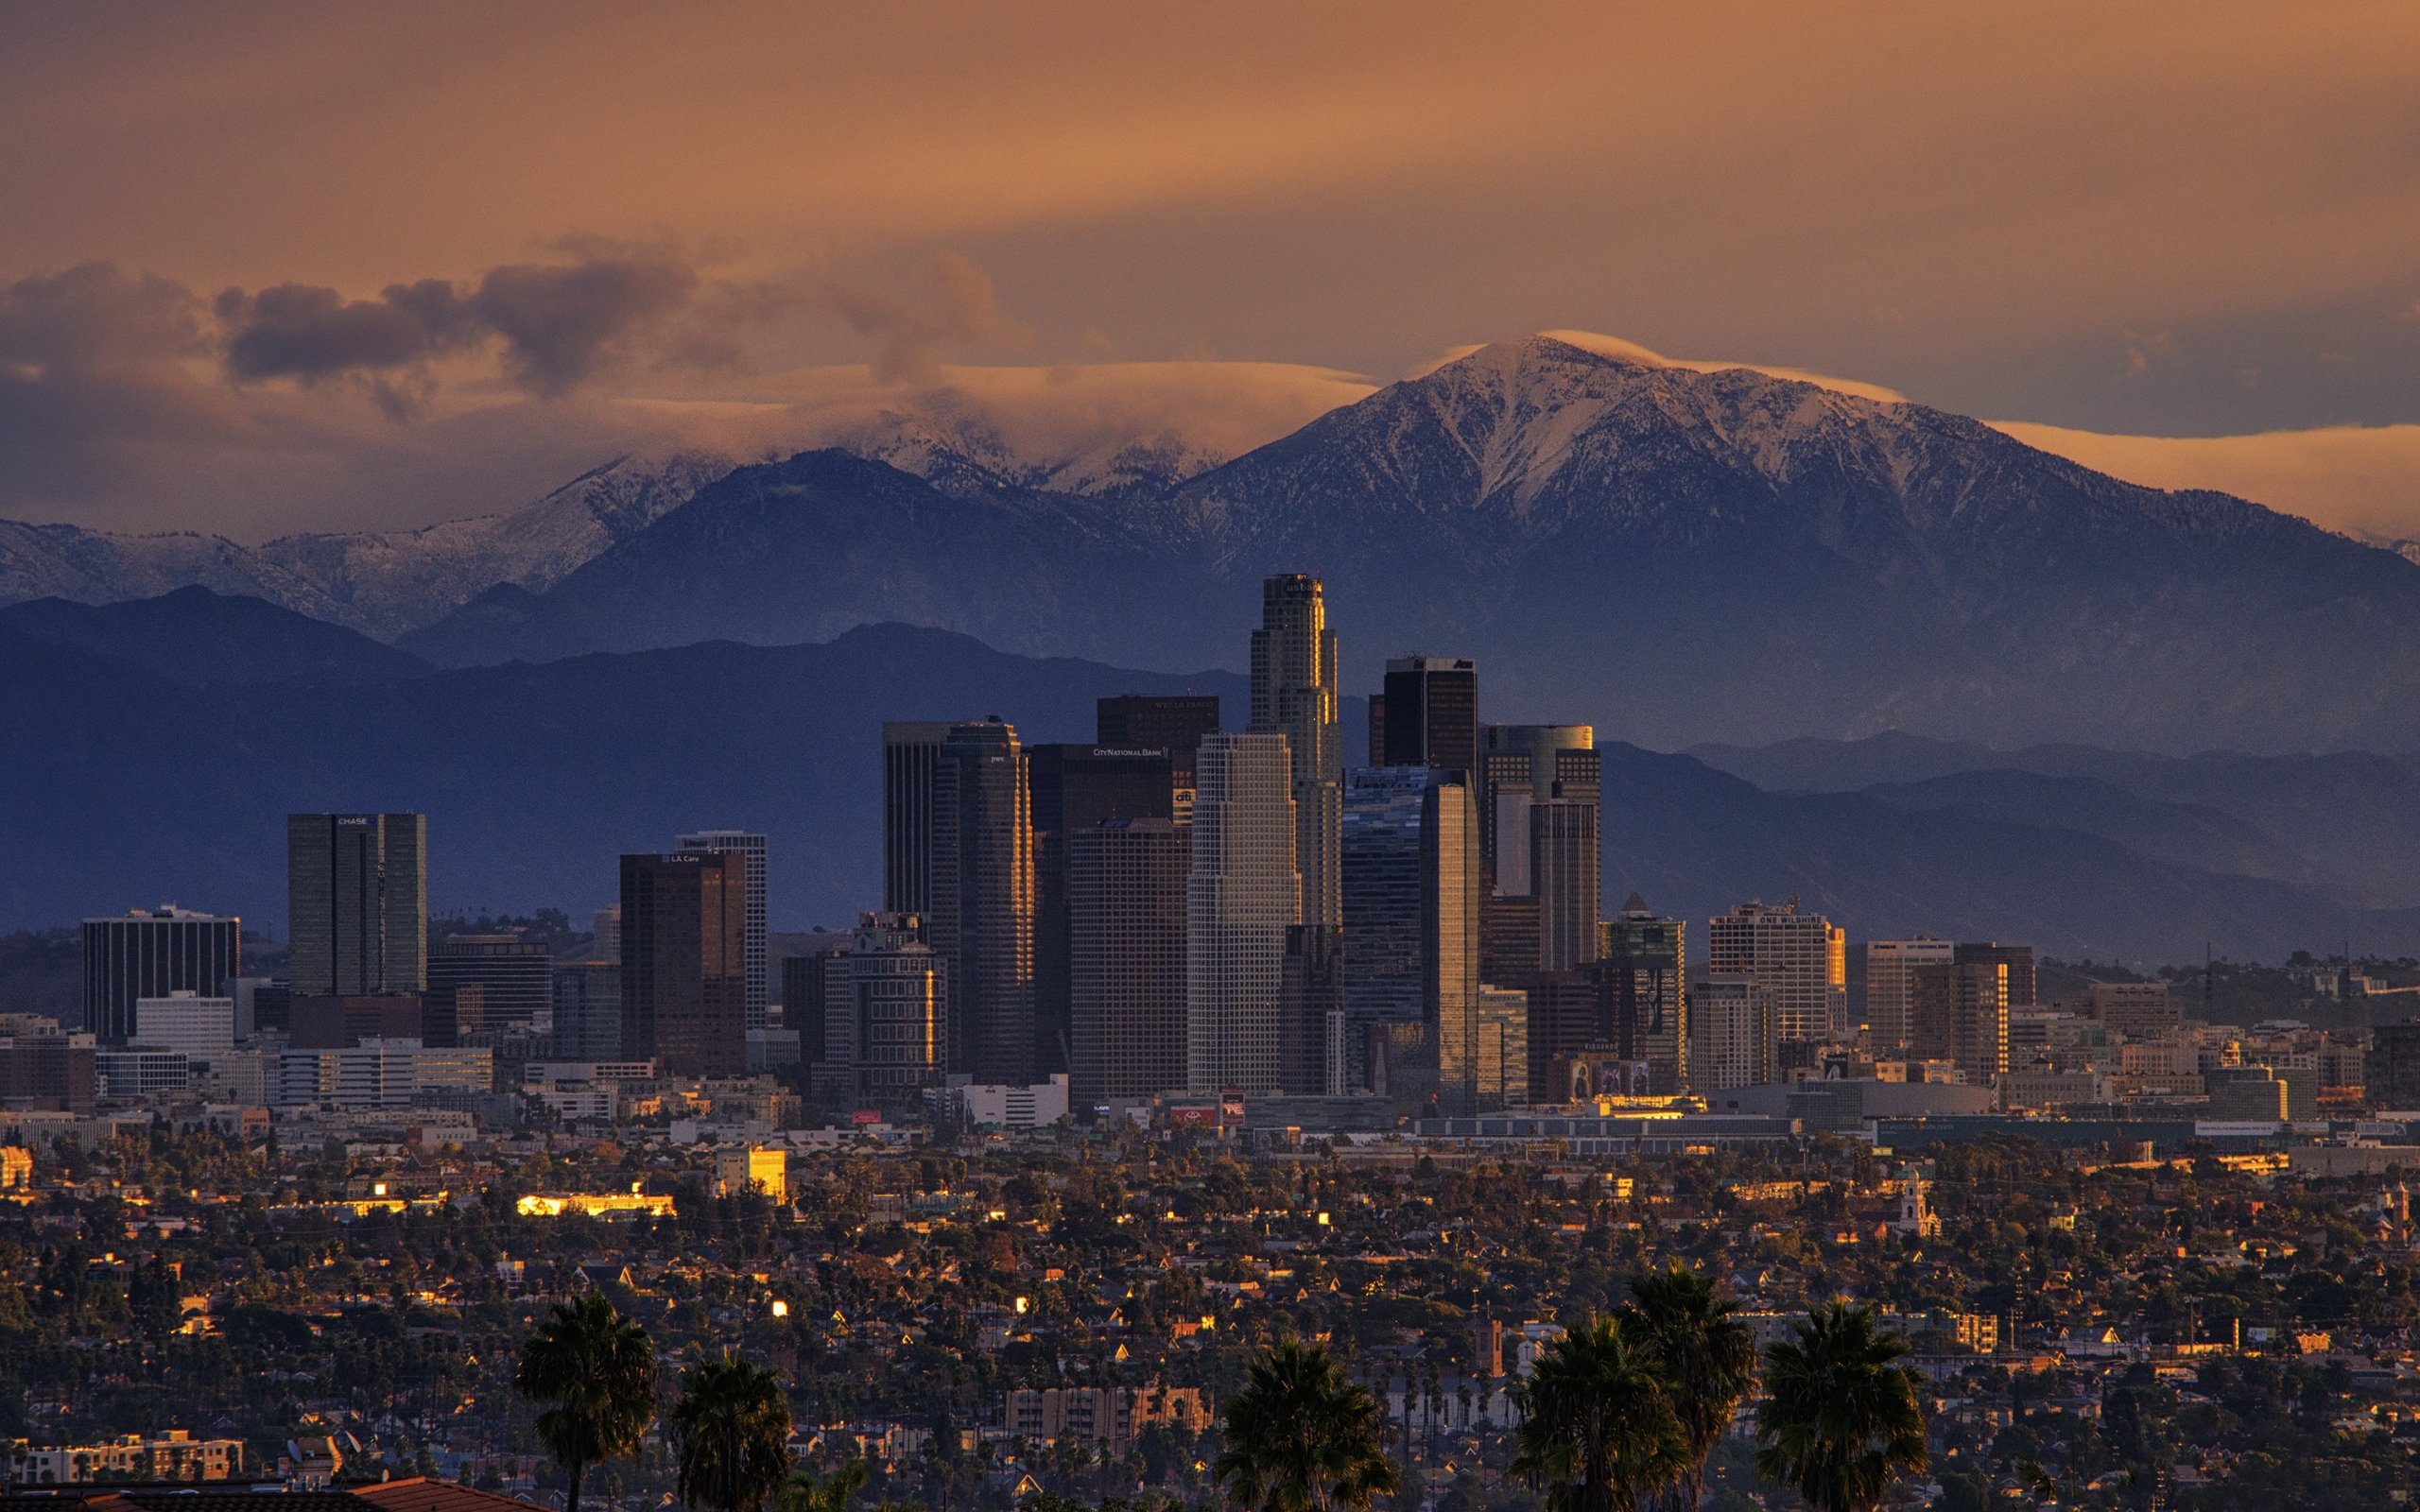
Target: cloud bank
[(2361, 480)]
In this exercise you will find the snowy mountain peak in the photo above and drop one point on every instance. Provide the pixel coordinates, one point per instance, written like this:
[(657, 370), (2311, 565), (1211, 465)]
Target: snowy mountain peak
[(959, 456), (380, 582), (1506, 424), (966, 457)]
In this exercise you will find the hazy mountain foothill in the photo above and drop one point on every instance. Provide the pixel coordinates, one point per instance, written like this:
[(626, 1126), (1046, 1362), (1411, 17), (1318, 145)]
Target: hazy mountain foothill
[(634, 747), (1778, 577), (198, 638)]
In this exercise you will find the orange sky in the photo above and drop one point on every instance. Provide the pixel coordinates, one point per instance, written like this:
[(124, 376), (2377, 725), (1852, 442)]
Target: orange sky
[(2142, 221)]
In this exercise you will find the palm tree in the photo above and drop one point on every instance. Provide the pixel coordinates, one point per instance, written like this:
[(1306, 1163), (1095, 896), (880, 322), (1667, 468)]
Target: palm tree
[(730, 1436), (1302, 1438), (1598, 1431), (1840, 1415), (1706, 1356), (598, 1370), (1432, 1401), (804, 1493)]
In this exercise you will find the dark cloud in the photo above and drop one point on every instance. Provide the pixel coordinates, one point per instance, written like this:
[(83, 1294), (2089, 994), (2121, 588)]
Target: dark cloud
[(95, 382), (119, 391), (951, 305), (95, 315), (298, 331), (559, 324)]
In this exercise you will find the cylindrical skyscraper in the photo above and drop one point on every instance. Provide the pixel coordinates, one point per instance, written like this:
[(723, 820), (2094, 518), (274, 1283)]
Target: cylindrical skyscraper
[(1293, 694)]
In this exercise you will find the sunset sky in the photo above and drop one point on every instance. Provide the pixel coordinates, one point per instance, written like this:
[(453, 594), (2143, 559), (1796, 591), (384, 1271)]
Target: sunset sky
[(607, 225)]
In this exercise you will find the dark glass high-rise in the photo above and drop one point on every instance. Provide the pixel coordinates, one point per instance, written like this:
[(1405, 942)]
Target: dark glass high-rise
[(1074, 788), (685, 962), (981, 915), (1430, 713), (1174, 722), (357, 903), (1126, 884), (150, 954)]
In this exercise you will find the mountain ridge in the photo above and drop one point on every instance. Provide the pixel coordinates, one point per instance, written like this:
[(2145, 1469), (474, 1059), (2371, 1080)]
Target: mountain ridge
[(1678, 554), (380, 583), (197, 638), (2353, 816), (1765, 556)]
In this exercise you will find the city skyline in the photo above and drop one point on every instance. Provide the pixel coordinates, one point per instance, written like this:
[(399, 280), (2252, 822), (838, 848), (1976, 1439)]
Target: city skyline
[(1100, 910), (1095, 758)]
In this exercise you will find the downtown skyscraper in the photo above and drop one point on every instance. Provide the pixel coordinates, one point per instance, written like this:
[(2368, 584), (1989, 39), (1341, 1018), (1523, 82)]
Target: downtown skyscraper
[(1126, 918), (1242, 897), (1891, 968), (356, 889), (1519, 766), (1073, 789), (486, 983), (1174, 722), (1563, 879), (1411, 948), (1293, 694), (750, 848), (1642, 984), (684, 970), (1799, 958), (911, 752), (876, 1006), (1538, 817), (1958, 1011), (980, 919), (1733, 1037), (150, 954), (1429, 713)]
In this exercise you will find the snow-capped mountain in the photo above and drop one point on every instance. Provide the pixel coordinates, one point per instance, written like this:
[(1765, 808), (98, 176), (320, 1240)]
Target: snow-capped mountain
[(381, 583), (389, 583), (1675, 555), (96, 567), (386, 583), (1729, 549), (966, 457)]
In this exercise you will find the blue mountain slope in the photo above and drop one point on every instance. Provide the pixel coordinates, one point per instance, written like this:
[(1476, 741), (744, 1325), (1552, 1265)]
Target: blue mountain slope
[(198, 638), (537, 776), (2352, 817)]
